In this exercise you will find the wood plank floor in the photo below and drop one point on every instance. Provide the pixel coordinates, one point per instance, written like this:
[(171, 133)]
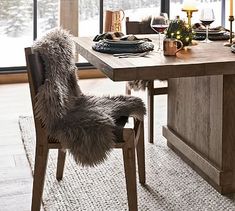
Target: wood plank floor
[(15, 173)]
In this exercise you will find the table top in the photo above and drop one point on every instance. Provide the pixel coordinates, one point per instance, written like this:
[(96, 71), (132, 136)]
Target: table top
[(199, 60)]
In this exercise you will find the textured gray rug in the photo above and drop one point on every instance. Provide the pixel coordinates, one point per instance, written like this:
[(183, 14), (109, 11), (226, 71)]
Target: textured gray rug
[(171, 184)]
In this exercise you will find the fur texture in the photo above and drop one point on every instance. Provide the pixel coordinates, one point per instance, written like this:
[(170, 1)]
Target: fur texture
[(137, 84), (86, 125)]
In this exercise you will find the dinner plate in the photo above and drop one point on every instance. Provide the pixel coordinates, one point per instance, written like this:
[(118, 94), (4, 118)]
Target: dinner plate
[(213, 32), (114, 47), (224, 36), (124, 42), (233, 48)]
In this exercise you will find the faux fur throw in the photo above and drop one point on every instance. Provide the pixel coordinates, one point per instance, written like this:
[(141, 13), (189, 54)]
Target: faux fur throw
[(86, 125), (137, 84)]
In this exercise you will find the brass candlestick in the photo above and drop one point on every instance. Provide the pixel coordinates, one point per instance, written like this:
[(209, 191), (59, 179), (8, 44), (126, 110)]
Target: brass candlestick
[(189, 14), (231, 19)]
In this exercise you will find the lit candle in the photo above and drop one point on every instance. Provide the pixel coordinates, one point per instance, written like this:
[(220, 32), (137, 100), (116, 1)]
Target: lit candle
[(189, 5), (231, 7)]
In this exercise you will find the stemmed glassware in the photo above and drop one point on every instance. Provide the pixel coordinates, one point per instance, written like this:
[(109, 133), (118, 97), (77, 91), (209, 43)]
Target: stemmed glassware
[(159, 24), (207, 17)]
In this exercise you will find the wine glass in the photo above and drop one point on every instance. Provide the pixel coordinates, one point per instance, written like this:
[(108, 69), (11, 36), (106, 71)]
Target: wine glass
[(207, 17), (159, 24)]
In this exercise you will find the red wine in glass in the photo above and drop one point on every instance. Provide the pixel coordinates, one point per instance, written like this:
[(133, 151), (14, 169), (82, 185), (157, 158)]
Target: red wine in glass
[(207, 17), (159, 27), (159, 24), (207, 22)]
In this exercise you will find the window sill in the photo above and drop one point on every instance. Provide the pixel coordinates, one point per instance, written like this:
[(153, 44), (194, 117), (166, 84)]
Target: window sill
[(9, 78)]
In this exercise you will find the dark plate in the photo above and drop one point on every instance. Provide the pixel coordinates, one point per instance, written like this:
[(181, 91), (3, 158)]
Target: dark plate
[(124, 42), (106, 47), (210, 32), (233, 48), (224, 36)]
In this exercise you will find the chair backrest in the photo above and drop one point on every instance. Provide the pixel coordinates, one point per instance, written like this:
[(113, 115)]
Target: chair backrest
[(51, 66), (138, 27), (35, 71)]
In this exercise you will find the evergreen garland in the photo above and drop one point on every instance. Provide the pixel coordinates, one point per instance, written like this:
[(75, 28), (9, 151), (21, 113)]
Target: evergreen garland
[(178, 29)]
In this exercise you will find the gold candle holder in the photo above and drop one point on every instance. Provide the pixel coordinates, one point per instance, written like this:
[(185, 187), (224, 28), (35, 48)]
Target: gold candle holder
[(189, 14), (231, 19)]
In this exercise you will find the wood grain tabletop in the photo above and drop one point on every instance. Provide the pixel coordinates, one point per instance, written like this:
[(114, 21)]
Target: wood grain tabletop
[(198, 60)]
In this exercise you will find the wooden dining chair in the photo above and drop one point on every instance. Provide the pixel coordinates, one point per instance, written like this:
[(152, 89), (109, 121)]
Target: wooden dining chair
[(143, 27), (132, 140)]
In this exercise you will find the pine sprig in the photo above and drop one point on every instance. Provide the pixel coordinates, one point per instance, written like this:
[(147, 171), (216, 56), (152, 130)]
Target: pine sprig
[(178, 29)]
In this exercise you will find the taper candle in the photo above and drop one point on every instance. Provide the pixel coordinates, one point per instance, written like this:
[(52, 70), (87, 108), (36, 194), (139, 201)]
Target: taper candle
[(189, 5), (231, 7)]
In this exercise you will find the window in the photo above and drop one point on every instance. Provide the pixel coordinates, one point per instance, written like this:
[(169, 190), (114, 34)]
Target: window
[(16, 29), (88, 17), (47, 15)]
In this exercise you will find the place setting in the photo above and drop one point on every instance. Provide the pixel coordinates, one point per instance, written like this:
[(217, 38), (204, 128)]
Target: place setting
[(125, 46), (121, 45), (204, 32)]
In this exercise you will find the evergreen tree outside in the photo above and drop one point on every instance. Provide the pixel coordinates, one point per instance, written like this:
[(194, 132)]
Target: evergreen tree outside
[(47, 14), (3, 10), (88, 9), (17, 14)]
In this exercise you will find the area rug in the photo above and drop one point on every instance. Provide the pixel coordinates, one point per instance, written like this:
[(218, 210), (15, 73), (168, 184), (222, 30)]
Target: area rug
[(170, 183)]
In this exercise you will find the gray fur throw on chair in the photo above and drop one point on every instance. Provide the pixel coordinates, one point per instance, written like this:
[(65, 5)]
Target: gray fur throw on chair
[(137, 84), (86, 125)]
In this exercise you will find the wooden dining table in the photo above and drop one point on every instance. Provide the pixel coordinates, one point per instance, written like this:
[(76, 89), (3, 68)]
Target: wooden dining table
[(201, 101)]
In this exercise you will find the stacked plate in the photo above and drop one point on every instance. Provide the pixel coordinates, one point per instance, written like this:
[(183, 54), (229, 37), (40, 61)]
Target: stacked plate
[(123, 42), (122, 46), (233, 48), (213, 34)]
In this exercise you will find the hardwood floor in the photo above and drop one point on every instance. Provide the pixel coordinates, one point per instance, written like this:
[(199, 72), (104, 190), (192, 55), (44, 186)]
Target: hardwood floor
[(15, 173)]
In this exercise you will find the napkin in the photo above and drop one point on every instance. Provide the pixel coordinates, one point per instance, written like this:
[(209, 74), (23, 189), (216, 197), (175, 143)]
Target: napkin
[(201, 27), (118, 36), (108, 35)]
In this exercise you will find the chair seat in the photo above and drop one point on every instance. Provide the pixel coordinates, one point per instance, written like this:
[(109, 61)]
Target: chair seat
[(120, 124)]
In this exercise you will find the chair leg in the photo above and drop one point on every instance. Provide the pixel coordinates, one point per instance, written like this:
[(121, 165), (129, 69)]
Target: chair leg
[(130, 174), (141, 154), (150, 110), (60, 164), (40, 165)]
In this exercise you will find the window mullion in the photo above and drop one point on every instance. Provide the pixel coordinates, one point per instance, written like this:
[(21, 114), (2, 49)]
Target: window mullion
[(35, 8), (101, 15), (165, 7), (223, 13)]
